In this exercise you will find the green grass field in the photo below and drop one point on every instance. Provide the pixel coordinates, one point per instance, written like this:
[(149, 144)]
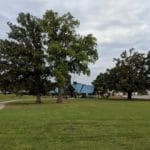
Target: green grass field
[(8, 97), (75, 125)]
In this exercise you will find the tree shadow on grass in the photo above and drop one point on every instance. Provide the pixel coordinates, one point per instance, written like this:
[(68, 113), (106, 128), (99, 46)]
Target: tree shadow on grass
[(32, 102)]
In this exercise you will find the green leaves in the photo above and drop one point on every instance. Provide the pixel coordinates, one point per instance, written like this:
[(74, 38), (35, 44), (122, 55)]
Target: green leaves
[(41, 48), (129, 74), (24, 55), (69, 52)]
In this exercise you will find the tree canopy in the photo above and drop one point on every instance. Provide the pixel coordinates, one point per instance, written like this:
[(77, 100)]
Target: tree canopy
[(68, 51), (39, 49), (23, 59), (130, 74)]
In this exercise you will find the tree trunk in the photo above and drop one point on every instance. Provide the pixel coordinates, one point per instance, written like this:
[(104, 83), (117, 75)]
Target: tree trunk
[(38, 99), (129, 95), (60, 98)]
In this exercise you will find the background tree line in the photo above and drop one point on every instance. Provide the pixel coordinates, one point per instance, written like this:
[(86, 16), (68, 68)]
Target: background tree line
[(41, 53)]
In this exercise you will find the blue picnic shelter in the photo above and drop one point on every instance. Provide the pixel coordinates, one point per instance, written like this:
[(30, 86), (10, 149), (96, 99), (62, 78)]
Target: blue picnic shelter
[(83, 88)]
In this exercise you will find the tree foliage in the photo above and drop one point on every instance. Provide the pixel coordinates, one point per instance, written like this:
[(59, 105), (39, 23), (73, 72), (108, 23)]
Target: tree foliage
[(148, 70), (40, 48), (129, 75), (68, 51), (23, 59), (102, 84)]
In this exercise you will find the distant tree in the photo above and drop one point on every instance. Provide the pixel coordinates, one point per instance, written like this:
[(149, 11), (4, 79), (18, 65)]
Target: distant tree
[(68, 51), (102, 84), (148, 70), (22, 58), (38, 49), (129, 75)]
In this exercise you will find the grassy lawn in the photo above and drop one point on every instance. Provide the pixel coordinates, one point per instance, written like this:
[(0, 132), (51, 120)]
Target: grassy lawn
[(76, 125), (9, 97)]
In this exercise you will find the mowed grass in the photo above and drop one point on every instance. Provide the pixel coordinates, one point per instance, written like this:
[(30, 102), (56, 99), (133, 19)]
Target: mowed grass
[(76, 125), (9, 97)]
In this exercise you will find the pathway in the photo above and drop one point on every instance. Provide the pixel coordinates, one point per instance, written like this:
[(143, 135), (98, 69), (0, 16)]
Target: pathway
[(2, 104)]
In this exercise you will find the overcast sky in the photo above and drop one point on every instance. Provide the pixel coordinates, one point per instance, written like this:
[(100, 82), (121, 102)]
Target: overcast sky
[(117, 24)]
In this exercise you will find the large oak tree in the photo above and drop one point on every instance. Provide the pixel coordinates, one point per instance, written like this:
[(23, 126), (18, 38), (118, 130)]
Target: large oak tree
[(23, 60), (68, 51)]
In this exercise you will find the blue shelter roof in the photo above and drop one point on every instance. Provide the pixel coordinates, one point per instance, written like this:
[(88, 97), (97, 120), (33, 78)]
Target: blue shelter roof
[(83, 88)]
